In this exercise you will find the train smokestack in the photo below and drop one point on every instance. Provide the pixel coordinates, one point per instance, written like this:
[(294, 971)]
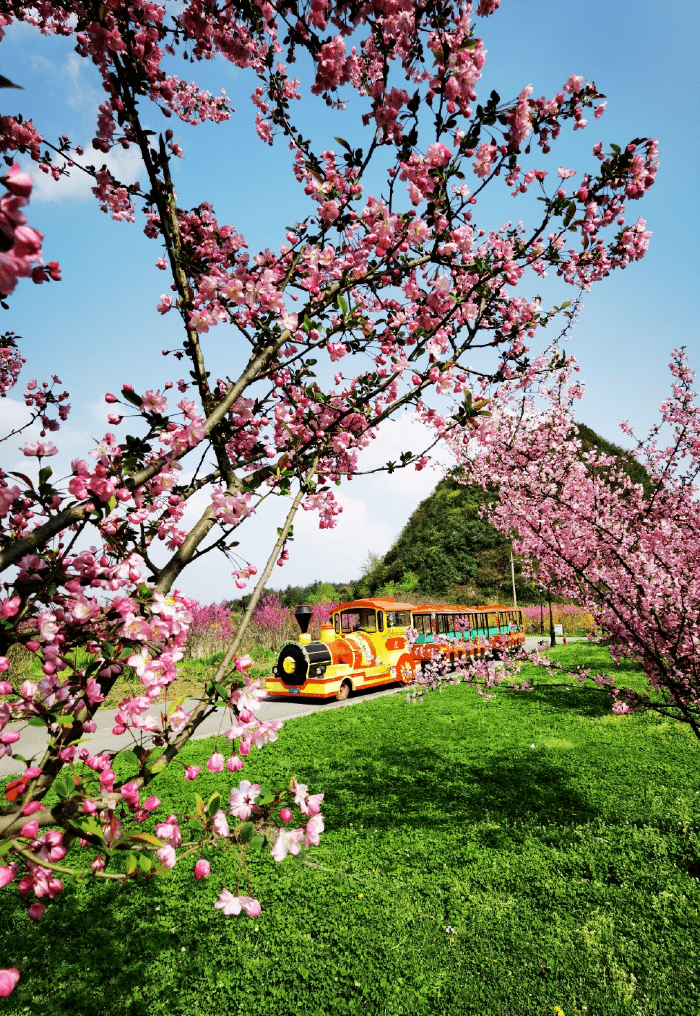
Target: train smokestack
[(303, 616)]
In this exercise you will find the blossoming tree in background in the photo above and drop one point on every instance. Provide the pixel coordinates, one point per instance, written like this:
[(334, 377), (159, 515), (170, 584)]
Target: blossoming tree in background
[(392, 291), (628, 554)]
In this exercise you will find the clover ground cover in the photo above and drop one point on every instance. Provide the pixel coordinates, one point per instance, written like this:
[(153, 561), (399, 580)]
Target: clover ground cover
[(462, 871)]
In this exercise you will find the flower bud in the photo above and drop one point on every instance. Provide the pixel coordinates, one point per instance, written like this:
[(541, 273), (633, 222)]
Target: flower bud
[(202, 869), (286, 815)]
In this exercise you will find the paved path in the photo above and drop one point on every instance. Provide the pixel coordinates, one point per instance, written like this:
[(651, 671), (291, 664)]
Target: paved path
[(34, 739)]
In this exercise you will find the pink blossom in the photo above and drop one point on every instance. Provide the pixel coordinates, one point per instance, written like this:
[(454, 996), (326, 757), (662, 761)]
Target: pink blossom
[(234, 764), (288, 842), (286, 815), (8, 980), (574, 83), (7, 873), (130, 793), (192, 772), (243, 799), (40, 449), (32, 807), (36, 911), (30, 830), (166, 855), (314, 828), (215, 764), (151, 803), (219, 824), (202, 869), (233, 905)]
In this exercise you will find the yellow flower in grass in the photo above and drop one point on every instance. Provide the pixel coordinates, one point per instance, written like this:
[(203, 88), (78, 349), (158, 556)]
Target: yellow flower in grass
[(558, 1011)]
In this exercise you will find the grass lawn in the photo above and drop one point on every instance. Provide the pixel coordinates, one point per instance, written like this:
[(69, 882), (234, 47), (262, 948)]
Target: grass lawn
[(462, 871)]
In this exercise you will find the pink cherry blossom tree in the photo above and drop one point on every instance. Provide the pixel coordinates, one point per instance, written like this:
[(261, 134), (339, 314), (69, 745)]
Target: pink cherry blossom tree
[(630, 554), (391, 291)]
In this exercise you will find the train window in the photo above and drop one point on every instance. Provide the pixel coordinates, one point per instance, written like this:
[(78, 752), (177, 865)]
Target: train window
[(423, 624), (396, 618), (444, 624), (380, 621), (337, 623), (362, 619)]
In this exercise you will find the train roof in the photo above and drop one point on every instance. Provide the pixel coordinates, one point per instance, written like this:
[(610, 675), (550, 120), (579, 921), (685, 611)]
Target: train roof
[(376, 603), (440, 608)]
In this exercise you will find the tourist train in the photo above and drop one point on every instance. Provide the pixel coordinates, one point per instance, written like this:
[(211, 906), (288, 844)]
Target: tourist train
[(364, 645)]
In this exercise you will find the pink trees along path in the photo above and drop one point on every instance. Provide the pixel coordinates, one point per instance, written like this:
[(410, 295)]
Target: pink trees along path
[(630, 555), (397, 290)]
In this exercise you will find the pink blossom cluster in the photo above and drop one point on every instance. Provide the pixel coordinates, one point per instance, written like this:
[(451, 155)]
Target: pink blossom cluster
[(270, 613), (625, 553), (11, 362), (326, 506), (20, 244), (211, 619)]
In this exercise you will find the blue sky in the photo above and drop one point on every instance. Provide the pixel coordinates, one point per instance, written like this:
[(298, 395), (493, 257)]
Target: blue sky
[(98, 327)]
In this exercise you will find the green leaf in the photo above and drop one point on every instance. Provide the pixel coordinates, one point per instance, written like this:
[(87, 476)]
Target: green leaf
[(199, 804), (145, 863), (342, 303), (213, 805), (36, 721), (570, 212), (131, 397), (258, 842), (129, 756), (130, 864), (246, 832), (196, 825), (223, 692), (344, 144), (7, 845), (45, 473), (64, 786)]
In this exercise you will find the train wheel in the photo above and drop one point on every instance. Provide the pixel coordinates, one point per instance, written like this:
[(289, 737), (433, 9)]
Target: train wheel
[(344, 691)]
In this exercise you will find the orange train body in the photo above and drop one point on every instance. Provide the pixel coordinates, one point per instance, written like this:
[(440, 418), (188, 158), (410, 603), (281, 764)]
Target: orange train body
[(365, 645)]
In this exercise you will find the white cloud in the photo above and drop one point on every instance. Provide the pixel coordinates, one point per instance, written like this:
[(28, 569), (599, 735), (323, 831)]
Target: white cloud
[(126, 166)]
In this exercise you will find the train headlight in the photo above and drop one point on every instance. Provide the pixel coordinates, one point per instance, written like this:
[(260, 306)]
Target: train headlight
[(289, 665), (274, 670), (320, 670)]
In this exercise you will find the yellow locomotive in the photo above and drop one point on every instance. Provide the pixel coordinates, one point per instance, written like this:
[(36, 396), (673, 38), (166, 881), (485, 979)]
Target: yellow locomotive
[(365, 645)]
